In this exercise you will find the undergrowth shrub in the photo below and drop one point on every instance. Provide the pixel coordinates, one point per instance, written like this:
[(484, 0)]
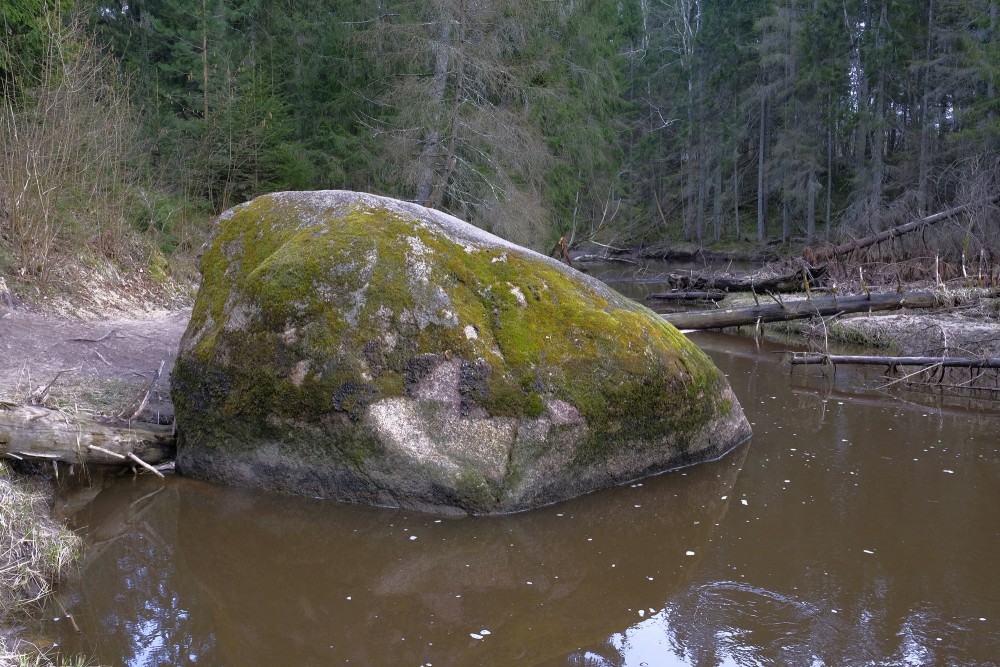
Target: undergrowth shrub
[(71, 158)]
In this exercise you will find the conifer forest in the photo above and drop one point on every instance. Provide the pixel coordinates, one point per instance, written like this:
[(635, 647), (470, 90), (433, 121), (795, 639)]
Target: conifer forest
[(714, 122)]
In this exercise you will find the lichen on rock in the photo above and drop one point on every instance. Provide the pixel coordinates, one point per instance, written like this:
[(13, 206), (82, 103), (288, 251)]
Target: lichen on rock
[(356, 347)]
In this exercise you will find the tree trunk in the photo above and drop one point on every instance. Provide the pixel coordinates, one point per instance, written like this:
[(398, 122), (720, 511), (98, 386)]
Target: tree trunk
[(702, 185), (786, 213), (796, 310), (736, 192), (32, 432), (825, 254), (788, 281), (432, 141), (687, 296), (923, 167), (877, 175), (761, 197), (829, 170), (204, 60), (436, 197), (810, 204), (991, 92), (859, 360), (717, 204)]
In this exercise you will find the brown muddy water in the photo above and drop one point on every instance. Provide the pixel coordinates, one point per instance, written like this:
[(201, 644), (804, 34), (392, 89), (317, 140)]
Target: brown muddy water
[(854, 529)]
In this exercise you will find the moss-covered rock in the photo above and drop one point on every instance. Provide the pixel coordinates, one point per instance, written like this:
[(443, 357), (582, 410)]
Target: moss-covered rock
[(356, 347)]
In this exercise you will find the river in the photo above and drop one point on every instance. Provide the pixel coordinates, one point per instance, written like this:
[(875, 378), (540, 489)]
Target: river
[(855, 528)]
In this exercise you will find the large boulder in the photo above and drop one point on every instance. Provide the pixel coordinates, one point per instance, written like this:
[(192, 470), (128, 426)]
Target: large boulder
[(356, 347)]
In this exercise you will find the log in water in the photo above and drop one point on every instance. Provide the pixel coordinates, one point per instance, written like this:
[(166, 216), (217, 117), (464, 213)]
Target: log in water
[(781, 311)]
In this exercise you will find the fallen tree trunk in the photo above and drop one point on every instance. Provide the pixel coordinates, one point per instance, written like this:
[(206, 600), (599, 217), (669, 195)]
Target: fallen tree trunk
[(793, 280), (794, 310), (825, 254), (686, 296), (946, 362), (33, 432)]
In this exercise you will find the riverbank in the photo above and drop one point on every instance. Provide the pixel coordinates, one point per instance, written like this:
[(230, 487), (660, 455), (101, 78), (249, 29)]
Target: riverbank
[(36, 554), (92, 354)]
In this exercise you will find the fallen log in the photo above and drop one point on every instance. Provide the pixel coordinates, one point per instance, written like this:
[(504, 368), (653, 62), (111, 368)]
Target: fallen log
[(828, 253), (863, 360), (800, 309), (686, 295), (34, 432), (797, 279)]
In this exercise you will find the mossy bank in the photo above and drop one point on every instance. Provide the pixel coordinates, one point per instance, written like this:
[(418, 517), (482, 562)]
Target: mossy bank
[(356, 347)]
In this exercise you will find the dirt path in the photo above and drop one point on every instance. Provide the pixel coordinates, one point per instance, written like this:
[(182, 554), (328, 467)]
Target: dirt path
[(108, 362)]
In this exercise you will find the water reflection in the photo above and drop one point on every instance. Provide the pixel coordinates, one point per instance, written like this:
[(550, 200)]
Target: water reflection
[(198, 574), (867, 538), (130, 570), (640, 278), (857, 529)]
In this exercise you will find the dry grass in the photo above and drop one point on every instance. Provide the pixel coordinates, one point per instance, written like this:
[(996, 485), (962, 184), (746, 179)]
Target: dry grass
[(35, 552), (34, 658)]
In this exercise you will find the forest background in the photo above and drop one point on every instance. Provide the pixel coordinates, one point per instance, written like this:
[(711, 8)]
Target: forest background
[(127, 124)]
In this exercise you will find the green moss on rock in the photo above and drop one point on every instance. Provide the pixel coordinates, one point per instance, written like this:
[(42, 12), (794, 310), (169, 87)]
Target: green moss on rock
[(367, 341)]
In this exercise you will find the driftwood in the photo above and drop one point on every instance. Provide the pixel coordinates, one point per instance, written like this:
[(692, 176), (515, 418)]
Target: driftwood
[(686, 296), (561, 251), (800, 309), (927, 362), (143, 399), (798, 279), (34, 432), (825, 254)]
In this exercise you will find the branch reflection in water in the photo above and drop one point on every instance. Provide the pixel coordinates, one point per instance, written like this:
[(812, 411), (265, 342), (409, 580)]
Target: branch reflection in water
[(198, 574)]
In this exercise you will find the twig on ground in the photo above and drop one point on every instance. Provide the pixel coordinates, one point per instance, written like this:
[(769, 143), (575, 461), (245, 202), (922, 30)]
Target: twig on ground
[(103, 338), (145, 396), (38, 396)]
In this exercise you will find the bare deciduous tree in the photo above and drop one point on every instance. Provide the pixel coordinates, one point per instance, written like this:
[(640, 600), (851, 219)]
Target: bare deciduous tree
[(458, 135)]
